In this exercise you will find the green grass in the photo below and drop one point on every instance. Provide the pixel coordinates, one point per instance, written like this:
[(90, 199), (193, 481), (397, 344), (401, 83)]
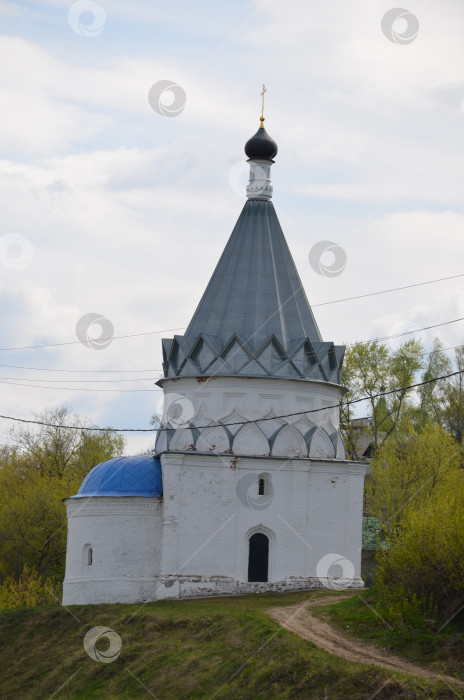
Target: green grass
[(421, 641), (210, 648)]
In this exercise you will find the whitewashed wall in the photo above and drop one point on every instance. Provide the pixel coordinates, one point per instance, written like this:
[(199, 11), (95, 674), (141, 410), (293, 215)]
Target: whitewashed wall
[(125, 537), (195, 541), (229, 400), (213, 508)]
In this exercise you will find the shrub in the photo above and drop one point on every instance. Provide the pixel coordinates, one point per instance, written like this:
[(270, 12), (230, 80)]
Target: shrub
[(30, 590), (422, 570)]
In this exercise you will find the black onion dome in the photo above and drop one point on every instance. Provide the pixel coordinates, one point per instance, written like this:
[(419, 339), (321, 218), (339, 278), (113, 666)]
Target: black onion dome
[(261, 146)]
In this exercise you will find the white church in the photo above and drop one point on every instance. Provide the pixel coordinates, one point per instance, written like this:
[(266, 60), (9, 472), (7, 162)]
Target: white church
[(248, 490)]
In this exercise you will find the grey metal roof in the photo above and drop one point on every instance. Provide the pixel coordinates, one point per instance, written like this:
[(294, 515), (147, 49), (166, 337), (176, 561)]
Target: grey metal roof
[(254, 318), (255, 290)]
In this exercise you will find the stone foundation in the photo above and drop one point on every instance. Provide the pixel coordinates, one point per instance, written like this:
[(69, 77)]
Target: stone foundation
[(139, 590)]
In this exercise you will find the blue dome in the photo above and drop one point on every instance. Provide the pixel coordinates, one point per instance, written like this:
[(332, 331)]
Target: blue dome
[(124, 476)]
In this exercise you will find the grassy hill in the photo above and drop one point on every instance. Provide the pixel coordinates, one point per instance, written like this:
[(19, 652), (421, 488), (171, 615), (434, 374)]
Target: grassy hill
[(430, 643), (210, 648)]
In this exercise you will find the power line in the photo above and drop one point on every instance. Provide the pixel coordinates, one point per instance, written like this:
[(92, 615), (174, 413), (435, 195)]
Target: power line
[(362, 342), (93, 381), (99, 340), (80, 371), (399, 335), (245, 422), (453, 347), (170, 330), (21, 381), (124, 371), (74, 388), (387, 291)]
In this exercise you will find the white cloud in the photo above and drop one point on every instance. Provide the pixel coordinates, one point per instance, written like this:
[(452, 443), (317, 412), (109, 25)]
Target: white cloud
[(128, 211)]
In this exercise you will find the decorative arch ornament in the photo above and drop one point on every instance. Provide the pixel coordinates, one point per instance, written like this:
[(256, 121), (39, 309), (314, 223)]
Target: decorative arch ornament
[(289, 442), (250, 440)]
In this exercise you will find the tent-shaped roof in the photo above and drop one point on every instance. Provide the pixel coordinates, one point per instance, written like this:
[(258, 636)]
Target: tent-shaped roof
[(255, 290), (254, 318)]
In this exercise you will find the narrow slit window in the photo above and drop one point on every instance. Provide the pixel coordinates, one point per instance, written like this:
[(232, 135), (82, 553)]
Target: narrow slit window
[(261, 487), (89, 556)]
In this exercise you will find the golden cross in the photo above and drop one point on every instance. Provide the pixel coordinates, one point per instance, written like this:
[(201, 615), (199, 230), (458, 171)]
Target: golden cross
[(262, 108)]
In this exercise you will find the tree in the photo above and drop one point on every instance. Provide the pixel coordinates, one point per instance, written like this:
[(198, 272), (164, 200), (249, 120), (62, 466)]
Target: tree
[(431, 396), (422, 569), (39, 470), (65, 452), (453, 400), (370, 369), (407, 470)]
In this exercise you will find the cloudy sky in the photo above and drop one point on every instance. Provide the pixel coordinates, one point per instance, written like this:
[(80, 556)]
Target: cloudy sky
[(118, 207)]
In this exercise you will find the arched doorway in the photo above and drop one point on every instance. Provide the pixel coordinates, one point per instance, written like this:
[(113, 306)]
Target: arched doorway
[(258, 557)]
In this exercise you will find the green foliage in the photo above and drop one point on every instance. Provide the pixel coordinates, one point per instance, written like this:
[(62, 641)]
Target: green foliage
[(404, 629), (416, 490), (423, 568), (452, 412), (407, 470), (373, 368), (37, 472), (433, 396), (64, 453), (28, 591)]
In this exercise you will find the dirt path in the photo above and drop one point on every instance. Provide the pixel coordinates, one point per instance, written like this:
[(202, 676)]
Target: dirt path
[(298, 619)]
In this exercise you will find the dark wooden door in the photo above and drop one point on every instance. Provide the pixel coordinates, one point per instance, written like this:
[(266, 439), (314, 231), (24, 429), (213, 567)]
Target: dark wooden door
[(258, 557)]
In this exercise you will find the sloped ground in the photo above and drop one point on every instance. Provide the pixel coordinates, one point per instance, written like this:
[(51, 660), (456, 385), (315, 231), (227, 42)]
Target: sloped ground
[(298, 619), (218, 648)]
